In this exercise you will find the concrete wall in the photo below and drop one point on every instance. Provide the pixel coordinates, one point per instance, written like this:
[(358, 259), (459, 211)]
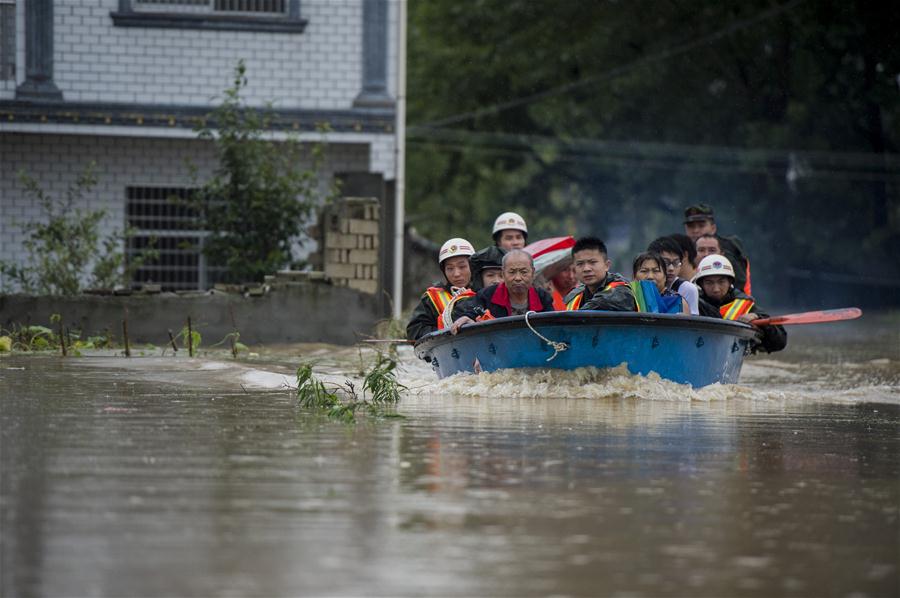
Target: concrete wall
[(303, 312)]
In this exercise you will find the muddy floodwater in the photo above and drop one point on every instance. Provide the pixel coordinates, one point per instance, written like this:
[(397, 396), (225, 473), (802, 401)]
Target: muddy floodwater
[(166, 476)]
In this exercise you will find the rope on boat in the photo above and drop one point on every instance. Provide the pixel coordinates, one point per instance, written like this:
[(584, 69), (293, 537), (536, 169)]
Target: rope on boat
[(558, 347), (447, 315)]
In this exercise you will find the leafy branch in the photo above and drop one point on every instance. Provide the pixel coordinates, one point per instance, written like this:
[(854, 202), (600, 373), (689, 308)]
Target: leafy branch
[(262, 192), (380, 390)]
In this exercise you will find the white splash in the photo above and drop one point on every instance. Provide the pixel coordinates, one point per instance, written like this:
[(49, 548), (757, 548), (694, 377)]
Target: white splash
[(581, 383)]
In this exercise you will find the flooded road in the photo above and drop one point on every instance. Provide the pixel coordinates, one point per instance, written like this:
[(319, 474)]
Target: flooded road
[(163, 476)]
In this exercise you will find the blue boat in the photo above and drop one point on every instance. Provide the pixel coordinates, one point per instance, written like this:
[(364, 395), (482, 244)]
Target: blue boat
[(691, 350)]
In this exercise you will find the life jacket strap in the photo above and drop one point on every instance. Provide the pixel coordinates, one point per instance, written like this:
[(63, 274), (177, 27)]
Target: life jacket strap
[(439, 298), (735, 309), (575, 303)]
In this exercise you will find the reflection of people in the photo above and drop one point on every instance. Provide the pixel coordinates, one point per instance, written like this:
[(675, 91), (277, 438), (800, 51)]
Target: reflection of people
[(719, 299), (486, 267), (516, 295), (649, 287), (510, 231), (600, 289), (454, 262)]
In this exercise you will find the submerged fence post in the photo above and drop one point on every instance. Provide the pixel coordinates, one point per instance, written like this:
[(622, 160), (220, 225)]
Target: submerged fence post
[(125, 337), (234, 333), (172, 340), (190, 338), (62, 338)]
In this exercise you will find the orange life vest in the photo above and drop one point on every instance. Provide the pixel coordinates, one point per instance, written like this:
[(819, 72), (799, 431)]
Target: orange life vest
[(487, 315), (440, 297), (558, 303), (735, 309), (747, 289)]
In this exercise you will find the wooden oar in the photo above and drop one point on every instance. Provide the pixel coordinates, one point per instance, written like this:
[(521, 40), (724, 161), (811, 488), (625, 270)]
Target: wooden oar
[(811, 317)]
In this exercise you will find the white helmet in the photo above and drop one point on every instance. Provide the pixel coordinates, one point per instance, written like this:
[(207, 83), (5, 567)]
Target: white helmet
[(455, 247), (509, 221), (714, 265)]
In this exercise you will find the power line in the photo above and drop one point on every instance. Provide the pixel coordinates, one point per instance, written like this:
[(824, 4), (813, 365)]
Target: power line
[(616, 71), (666, 156), (645, 148)]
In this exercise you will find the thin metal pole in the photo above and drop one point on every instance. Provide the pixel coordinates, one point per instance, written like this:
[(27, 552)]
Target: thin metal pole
[(400, 158)]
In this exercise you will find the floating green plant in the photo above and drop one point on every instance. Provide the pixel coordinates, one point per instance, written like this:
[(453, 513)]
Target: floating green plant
[(380, 390)]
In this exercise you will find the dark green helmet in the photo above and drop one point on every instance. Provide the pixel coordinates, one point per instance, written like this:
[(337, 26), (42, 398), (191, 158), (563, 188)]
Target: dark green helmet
[(489, 257)]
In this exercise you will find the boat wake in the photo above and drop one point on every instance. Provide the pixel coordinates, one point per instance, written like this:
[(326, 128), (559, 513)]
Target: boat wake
[(581, 383), (761, 380)]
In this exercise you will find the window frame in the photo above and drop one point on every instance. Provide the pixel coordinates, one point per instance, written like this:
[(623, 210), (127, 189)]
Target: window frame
[(291, 22), (8, 41)]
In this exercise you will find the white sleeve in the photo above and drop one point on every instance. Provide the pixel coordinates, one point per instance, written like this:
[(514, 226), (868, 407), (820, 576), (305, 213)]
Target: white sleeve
[(688, 290)]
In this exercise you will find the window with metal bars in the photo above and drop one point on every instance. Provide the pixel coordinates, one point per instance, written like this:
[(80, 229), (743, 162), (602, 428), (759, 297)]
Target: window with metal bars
[(7, 40), (161, 219), (248, 7), (274, 16)]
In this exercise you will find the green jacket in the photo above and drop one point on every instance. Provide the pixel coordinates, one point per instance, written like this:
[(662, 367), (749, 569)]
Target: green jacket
[(613, 294)]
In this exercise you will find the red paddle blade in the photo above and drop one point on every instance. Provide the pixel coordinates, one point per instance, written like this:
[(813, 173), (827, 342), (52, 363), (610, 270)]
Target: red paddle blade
[(811, 317)]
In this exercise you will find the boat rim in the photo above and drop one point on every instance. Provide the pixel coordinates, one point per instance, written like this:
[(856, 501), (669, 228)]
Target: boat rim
[(587, 317)]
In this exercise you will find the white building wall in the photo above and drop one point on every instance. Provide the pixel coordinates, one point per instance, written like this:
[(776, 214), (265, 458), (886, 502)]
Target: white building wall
[(95, 61), (319, 68), (393, 47), (57, 160)]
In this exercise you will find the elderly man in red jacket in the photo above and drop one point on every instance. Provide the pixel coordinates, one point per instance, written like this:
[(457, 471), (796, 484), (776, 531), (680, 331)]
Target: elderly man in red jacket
[(516, 295)]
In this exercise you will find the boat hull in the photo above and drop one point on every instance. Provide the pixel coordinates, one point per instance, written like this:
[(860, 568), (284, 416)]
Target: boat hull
[(686, 349)]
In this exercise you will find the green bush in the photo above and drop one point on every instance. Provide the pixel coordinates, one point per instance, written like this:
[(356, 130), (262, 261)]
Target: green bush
[(257, 201), (65, 248)]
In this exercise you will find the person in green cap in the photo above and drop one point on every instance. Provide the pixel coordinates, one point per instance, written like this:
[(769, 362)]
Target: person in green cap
[(486, 266), (699, 220)]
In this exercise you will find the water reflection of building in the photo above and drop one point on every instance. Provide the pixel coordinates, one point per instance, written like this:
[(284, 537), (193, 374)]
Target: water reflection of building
[(123, 83)]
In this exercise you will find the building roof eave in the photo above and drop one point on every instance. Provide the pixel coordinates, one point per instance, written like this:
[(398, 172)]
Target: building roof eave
[(184, 118)]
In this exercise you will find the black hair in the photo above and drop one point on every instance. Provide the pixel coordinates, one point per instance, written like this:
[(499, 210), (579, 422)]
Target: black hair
[(643, 257), (667, 244), (589, 243), (687, 246)]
